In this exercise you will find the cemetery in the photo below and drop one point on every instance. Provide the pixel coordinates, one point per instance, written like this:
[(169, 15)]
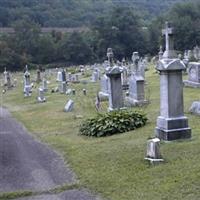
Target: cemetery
[(114, 166), (115, 125)]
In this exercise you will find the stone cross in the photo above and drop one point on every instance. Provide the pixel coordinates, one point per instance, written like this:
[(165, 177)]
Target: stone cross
[(168, 32), (110, 56)]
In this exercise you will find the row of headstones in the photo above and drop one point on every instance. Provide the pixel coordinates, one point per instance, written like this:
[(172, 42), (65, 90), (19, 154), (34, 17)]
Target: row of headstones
[(171, 124), (116, 79)]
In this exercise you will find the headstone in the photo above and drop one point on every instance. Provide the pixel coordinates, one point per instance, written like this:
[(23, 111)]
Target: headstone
[(124, 75), (38, 79), (84, 92), (63, 76), (171, 124), (44, 85), (5, 77), (27, 83), (195, 108), (63, 87), (9, 85), (115, 88), (69, 106), (59, 76), (135, 60), (104, 93), (41, 97), (196, 53), (136, 91), (153, 150), (193, 75), (95, 77), (69, 91)]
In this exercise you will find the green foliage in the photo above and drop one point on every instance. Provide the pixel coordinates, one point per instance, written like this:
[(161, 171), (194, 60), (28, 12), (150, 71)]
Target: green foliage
[(112, 123)]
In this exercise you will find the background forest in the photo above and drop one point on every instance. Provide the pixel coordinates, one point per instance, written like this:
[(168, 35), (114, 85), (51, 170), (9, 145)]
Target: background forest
[(124, 25)]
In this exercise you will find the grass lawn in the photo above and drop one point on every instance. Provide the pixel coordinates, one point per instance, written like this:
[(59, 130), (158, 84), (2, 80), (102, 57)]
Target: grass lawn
[(114, 166)]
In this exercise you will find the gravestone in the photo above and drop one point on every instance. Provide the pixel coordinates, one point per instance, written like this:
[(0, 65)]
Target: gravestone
[(104, 93), (95, 76), (41, 97), (195, 108), (44, 85), (63, 87), (196, 53), (84, 91), (38, 79), (153, 150), (171, 124), (27, 83), (5, 74), (59, 76), (115, 88), (69, 106), (124, 75), (135, 59), (193, 75)]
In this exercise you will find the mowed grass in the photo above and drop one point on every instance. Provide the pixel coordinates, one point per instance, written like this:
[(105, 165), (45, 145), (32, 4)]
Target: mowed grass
[(114, 166)]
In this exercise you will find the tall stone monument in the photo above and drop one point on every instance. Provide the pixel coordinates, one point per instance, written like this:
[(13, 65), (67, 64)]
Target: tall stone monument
[(171, 124), (115, 85)]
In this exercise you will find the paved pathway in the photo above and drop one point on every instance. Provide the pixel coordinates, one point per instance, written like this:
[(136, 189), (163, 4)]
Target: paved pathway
[(26, 164)]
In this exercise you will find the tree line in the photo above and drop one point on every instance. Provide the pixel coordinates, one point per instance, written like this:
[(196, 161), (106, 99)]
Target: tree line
[(122, 28)]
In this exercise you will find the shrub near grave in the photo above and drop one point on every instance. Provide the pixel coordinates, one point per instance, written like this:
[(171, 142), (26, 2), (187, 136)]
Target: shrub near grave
[(112, 123)]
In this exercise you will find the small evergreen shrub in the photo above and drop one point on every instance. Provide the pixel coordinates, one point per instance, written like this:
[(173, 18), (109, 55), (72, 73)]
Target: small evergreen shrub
[(112, 123)]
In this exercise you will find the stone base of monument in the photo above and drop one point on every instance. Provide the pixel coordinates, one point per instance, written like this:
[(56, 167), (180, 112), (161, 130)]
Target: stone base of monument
[(130, 102), (191, 84), (103, 96), (116, 109), (169, 129)]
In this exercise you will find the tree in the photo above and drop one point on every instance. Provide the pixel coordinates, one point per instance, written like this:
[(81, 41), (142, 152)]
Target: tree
[(120, 30)]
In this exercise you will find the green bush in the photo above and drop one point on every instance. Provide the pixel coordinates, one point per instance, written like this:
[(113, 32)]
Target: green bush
[(112, 123)]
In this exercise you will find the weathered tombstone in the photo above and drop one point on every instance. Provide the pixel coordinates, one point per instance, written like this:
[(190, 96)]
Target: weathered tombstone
[(95, 76), (44, 85), (104, 93), (5, 77), (136, 91), (196, 53), (41, 97), (63, 75), (27, 83), (69, 106), (63, 87), (124, 75), (69, 77), (84, 91), (193, 75), (135, 60), (171, 124), (69, 91), (9, 85), (195, 108), (115, 88), (153, 150), (38, 79), (59, 76)]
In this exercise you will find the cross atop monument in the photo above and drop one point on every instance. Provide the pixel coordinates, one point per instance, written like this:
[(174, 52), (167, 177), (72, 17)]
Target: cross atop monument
[(168, 32), (110, 56)]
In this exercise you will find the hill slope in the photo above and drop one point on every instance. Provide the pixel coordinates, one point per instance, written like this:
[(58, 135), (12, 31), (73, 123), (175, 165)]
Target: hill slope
[(73, 13)]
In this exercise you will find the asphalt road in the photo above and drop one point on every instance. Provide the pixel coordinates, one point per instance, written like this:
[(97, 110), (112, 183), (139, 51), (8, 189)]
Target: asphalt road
[(27, 164)]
